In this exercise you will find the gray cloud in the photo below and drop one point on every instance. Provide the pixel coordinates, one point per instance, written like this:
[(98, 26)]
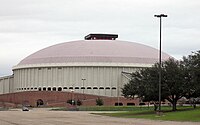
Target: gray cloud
[(30, 25)]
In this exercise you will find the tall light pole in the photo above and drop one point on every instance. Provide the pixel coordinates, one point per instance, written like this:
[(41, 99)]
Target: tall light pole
[(72, 97), (83, 79), (160, 52)]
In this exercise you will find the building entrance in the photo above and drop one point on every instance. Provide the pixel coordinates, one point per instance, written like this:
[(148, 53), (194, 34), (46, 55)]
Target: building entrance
[(40, 102)]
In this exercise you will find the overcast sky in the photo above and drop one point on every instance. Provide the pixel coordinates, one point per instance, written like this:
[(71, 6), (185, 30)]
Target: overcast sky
[(27, 26)]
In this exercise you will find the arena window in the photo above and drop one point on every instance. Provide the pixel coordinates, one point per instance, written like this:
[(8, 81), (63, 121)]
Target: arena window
[(76, 87), (89, 88), (54, 88), (39, 68), (59, 89), (70, 87), (142, 103), (24, 88), (95, 88), (113, 87), (101, 88), (107, 87), (31, 88), (44, 89), (39, 89), (151, 103), (49, 88), (64, 87), (130, 104), (27, 88), (119, 104), (82, 87), (35, 88)]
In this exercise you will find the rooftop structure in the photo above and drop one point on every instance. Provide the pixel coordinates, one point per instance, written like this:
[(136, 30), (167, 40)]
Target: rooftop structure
[(101, 37)]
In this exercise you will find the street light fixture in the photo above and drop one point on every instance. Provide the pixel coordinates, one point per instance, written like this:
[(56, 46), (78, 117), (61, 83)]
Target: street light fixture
[(160, 80)]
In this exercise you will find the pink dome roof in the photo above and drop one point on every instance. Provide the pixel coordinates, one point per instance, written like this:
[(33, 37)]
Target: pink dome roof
[(95, 51)]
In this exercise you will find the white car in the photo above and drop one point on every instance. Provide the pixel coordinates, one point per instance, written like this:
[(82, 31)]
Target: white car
[(24, 108)]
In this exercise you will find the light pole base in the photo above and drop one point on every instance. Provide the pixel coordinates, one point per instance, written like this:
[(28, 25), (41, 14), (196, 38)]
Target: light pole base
[(72, 108), (159, 113)]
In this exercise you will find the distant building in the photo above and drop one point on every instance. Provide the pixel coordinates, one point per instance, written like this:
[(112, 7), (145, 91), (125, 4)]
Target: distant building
[(96, 66)]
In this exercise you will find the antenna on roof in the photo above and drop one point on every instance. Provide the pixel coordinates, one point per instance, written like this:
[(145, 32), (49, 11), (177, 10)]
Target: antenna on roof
[(101, 37)]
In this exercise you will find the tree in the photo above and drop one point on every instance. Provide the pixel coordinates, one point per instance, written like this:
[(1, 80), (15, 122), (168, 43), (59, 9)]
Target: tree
[(175, 85), (99, 101), (144, 83), (192, 65), (79, 102)]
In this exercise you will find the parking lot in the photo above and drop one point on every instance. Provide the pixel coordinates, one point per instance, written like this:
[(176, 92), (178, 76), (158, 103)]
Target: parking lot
[(46, 117)]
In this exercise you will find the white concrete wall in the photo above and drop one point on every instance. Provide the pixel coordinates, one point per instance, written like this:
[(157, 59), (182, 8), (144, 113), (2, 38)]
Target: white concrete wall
[(6, 84), (109, 78)]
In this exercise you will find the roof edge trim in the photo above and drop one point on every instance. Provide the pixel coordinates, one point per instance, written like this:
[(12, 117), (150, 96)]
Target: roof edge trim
[(81, 64)]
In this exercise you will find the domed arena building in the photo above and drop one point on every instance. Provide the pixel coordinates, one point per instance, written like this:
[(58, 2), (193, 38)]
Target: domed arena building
[(83, 70)]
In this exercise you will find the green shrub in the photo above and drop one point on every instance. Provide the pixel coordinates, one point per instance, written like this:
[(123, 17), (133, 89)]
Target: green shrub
[(99, 101), (79, 102)]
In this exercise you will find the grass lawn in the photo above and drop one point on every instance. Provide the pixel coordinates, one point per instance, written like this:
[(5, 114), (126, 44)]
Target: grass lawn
[(183, 114), (114, 108), (108, 108)]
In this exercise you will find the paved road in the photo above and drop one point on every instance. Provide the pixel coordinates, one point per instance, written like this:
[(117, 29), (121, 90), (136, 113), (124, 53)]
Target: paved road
[(45, 117)]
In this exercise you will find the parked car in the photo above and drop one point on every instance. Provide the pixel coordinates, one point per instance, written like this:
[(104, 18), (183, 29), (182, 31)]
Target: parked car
[(24, 108)]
